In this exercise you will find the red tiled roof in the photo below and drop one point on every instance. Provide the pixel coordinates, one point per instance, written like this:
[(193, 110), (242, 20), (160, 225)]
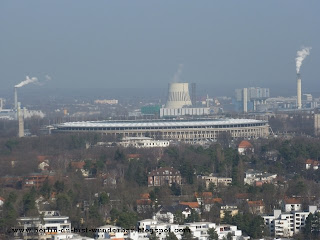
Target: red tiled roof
[(41, 158), (144, 202), (218, 200), (133, 155), (292, 201), (2, 199), (245, 144), (309, 161), (242, 195), (78, 165), (190, 204), (256, 203), (145, 196)]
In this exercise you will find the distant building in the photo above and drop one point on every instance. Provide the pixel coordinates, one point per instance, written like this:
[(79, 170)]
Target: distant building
[(286, 224), (44, 226), (217, 181), (291, 204), (144, 204), (110, 232), (312, 164), (245, 147), (164, 176), (174, 112), (37, 180), (106, 101), (251, 99), (256, 207), (233, 210), (253, 177), (143, 142), (1, 201)]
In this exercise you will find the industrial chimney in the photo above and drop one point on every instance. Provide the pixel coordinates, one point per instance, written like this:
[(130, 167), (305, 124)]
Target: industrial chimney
[(15, 99), (178, 95), (20, 121), (245, 100), (299, 104)]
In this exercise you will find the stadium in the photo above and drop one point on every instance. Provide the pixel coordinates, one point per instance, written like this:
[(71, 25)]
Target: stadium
[(180, 130)]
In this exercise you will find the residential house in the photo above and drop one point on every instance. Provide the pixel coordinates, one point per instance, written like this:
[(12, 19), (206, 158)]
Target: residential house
[(79, 166), (312, 164), (193, 205), (233, 210), (37, 180), (291, 204), (217, 181), (144, 204), (245, 147), (256, 207), (45, 225), (242, 198), (110, 232), (253, 177), (164, 176), (1, 201)]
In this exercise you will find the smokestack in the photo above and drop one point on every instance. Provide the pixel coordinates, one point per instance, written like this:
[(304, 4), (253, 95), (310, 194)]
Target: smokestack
[(15, 98), (20, 122), (299, 104), (245, 100)]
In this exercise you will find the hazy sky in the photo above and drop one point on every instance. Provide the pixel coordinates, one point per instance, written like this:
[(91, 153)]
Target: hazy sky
[(140, 44)]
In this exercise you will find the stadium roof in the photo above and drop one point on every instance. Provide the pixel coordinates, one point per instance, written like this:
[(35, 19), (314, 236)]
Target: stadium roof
[(160, 123)]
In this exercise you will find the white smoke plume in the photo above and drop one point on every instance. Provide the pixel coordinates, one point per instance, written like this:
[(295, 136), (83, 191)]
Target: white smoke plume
[(176, 77), (48, 78), (34, 80), (27, 81), (301, 55)]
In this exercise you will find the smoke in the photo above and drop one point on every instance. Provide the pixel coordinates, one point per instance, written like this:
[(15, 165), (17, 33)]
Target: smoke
[(27, 81), (301, 55), (176, 77), (48, 78), (33, 80)]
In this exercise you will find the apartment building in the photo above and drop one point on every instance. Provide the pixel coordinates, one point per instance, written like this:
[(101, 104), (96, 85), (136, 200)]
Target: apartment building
[(286, 224)]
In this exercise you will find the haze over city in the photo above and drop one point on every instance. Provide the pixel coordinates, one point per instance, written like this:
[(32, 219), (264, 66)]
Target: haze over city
[(140, 44)]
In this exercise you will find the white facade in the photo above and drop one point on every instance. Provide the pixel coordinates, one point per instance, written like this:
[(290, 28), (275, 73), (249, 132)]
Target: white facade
[(143, 142), (252, 176), (288, 223), (180, 130), (291, 207), (110, 232), (50, 223), (217, 181), (72, 236), (167, 112), (198, 229)]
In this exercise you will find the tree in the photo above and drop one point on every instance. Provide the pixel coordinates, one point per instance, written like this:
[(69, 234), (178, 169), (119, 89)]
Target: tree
[(103, 198), (187, 235), (59, 186), (171, 236), (213, 235), (28, 202), (9, 214)]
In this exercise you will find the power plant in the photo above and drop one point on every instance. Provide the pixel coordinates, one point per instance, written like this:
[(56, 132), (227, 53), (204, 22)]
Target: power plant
[(178, 95)]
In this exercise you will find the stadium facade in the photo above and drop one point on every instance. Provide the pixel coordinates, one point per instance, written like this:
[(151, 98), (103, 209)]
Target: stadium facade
[(181, 130)]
